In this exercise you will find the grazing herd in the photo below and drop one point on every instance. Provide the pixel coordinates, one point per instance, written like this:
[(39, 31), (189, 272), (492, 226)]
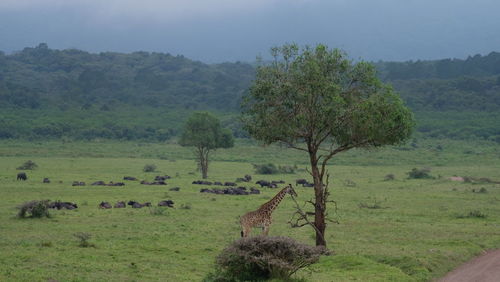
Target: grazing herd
[(229, 188), (135, 205), (231, 191)]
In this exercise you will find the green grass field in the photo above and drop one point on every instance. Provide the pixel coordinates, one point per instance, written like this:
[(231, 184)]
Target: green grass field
[(421, 230)]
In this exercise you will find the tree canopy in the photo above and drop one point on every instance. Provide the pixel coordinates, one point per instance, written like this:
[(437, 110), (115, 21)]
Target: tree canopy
[(318, 101), (204, 132)]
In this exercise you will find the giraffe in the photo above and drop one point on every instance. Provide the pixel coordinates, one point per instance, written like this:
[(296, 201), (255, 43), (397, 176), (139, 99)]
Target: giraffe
[(262, 216)]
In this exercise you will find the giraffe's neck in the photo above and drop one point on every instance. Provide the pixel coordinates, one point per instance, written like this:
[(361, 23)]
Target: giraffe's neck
[(271, 205)]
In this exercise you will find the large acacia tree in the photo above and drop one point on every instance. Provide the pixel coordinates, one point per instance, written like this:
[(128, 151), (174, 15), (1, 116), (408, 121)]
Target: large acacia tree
[(204, 132), (318, 101)]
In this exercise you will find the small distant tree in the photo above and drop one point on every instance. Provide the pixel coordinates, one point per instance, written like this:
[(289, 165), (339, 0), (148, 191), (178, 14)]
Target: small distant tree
[(318, 101), (204, 132)]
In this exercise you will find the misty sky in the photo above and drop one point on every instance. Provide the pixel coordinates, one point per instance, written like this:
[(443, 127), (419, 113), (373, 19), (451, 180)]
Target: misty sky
[(237, 30)]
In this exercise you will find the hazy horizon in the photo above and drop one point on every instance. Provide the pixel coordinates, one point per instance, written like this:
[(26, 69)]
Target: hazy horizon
[(214, 31)]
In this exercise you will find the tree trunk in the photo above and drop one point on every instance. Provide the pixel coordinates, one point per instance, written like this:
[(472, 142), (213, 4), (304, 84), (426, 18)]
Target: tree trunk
[(319, 203), (203, 161), (204, 169), (320, 209)]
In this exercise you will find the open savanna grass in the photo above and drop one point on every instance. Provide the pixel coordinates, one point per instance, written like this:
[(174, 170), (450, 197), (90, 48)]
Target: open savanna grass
[(399, 230)]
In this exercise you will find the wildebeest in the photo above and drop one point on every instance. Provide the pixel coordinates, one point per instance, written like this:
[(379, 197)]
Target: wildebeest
[(218, 183), (76, 183), (166, 203), (308, 185), (101, 183), (174, 189), (46, 180), (229, 184), (119, 205), (105, 205), (22, 176)]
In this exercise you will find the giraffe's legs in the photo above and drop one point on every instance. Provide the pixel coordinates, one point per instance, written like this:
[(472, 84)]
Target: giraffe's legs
[(245, 231), (265, 229)]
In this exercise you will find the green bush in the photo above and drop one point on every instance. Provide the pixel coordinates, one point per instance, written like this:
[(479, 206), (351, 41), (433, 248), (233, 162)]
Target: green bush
[(84, 239), (34, 209), (272, 169), (265, 169), (416, 173), (261, 257), (28, 165), (149, 168)]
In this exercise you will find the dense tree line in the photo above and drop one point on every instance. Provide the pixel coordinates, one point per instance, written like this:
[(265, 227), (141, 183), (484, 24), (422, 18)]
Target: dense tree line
[(48, 93)]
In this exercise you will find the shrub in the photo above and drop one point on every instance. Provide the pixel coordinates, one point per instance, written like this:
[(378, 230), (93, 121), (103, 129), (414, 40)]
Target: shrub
[(157, 210), (472, 214), (28, 165), (265, 169), (84, 239), (389, 177), (416, 173), (262, 257), (149, 168), (272, 169), (349, 183), (34, 209)]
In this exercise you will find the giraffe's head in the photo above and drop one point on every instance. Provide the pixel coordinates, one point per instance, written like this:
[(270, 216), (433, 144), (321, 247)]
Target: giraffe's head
[(290, 190)]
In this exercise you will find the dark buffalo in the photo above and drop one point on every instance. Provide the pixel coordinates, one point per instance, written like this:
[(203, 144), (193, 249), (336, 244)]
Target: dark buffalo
[(62, 205), (229, 184), (98, 183), (22, 176), (137, 205), (167, 203), (263, 183), (162, 178), (76, 183), (308, 185), (254, 190), (115, 184), (46, 180), (129, 178), (218, 183), (300, 181), (174, 189), (105, 205), (120, 205)]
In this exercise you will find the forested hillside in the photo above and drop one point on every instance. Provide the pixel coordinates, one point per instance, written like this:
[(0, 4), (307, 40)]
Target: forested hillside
[(47, 93)]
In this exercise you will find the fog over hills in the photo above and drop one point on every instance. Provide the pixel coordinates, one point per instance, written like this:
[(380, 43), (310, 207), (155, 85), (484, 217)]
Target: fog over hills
[(228, 30)]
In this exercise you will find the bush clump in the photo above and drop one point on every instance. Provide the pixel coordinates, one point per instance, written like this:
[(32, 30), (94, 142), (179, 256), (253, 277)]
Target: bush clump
[(273, 169), (389, 177), (149, 168), (261, 257), (34, 209), (423, 173), (28, 165), (84, 238)]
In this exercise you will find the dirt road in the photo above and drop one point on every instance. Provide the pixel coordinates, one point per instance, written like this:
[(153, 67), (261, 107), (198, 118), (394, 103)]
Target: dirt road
[(484, 268)]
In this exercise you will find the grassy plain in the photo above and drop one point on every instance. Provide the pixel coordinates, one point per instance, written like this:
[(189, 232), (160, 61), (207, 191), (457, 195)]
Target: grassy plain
[(421, 230)]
